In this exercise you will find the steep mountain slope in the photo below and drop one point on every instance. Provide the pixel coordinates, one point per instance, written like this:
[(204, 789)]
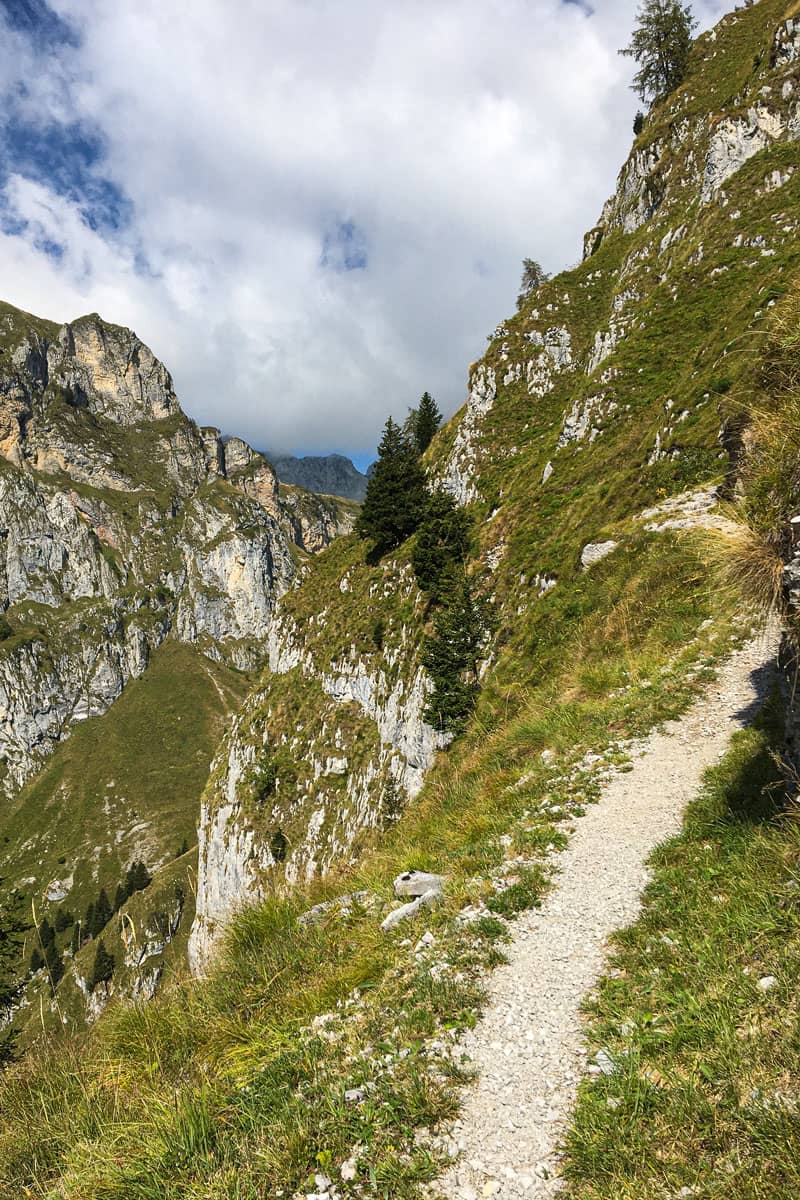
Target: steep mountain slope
[(122, 521), (329, 474), (314, 1054), (130, 537), (602, 395)]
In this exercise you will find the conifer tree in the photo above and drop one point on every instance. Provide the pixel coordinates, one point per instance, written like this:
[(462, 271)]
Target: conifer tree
[(533, 276), (77, 937), (443, 539), (423, 422), (396, 492), (88, 922), (63, 920), (102, 913), (137, 878), (46, 933), (102, 968), (120, 897), (54, 964), (13, 926), (660, 44), (450, 654)]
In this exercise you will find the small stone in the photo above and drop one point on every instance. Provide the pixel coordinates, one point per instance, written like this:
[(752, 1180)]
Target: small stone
[(605, 1062), (491, 1187), (766, 982), (348, 1169)]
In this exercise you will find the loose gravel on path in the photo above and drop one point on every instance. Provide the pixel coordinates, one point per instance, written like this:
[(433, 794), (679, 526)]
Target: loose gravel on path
[(527, 1048)]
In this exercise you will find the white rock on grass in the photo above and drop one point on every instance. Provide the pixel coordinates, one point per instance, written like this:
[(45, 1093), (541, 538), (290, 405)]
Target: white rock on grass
[(594, 551)]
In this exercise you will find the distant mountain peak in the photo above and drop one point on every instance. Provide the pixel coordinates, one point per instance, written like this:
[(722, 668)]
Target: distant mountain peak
[(327, 474)]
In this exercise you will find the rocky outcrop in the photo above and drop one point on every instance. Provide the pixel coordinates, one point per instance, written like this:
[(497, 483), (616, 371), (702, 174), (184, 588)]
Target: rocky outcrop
[(459, 473), (332, 798), (734, 141), (111, 496)]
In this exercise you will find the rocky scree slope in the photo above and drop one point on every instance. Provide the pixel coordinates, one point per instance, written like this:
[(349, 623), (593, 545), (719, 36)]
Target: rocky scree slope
[(604, 394)]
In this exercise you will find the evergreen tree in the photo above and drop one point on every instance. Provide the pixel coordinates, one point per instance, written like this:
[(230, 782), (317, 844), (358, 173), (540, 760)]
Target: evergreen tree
[(130, 880), (77, 937), (423, 422), (13, 927), (120, 897), (443, 539), (137, 878), (396, 492), (638, 123), (63, 920), (46, 933), (278, 845), (88, 922), (533, 276), (660, 43), (55, 967), (102, 913), (450, 654), (102, 968)]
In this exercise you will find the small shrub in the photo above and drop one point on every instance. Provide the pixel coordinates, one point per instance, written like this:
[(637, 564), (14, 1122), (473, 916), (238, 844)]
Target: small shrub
[(278, 846)]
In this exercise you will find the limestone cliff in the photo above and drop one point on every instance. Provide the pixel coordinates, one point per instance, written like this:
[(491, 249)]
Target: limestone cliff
[(121, 522)]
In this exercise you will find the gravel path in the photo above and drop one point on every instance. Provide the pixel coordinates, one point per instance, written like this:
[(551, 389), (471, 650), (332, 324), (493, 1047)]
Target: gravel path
[(528, 1048)]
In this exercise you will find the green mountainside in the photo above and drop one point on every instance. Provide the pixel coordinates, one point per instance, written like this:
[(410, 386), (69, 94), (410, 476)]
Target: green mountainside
[(627, 457)]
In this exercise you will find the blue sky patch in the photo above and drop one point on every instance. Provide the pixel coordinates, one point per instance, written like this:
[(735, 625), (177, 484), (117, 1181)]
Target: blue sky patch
[(344, 248), (45, 28), (66, 156)]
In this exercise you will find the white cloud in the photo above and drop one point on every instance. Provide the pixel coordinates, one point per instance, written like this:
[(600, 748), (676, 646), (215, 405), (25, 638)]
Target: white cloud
[(456, 135)]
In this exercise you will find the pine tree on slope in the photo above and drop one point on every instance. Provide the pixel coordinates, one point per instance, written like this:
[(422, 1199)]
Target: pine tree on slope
[(660, 43), (103, 967), (396, 493), (423, 422)]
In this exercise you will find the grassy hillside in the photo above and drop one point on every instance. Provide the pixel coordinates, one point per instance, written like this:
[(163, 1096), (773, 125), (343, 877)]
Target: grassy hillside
[(124, 787)]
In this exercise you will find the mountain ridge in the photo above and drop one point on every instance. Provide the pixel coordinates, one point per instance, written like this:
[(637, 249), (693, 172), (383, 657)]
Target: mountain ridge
[(326, 474)]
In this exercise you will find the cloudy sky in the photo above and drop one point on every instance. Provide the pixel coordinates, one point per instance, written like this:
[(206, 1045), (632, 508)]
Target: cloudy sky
[(312, 210)]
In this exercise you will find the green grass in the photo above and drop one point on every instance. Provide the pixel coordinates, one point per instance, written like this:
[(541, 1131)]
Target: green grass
[(704, 1096), (123, 786)]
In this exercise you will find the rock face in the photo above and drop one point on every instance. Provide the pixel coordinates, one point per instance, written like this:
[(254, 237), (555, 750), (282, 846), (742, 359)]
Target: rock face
[(328, 474), (121, 522), (367, 748)]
